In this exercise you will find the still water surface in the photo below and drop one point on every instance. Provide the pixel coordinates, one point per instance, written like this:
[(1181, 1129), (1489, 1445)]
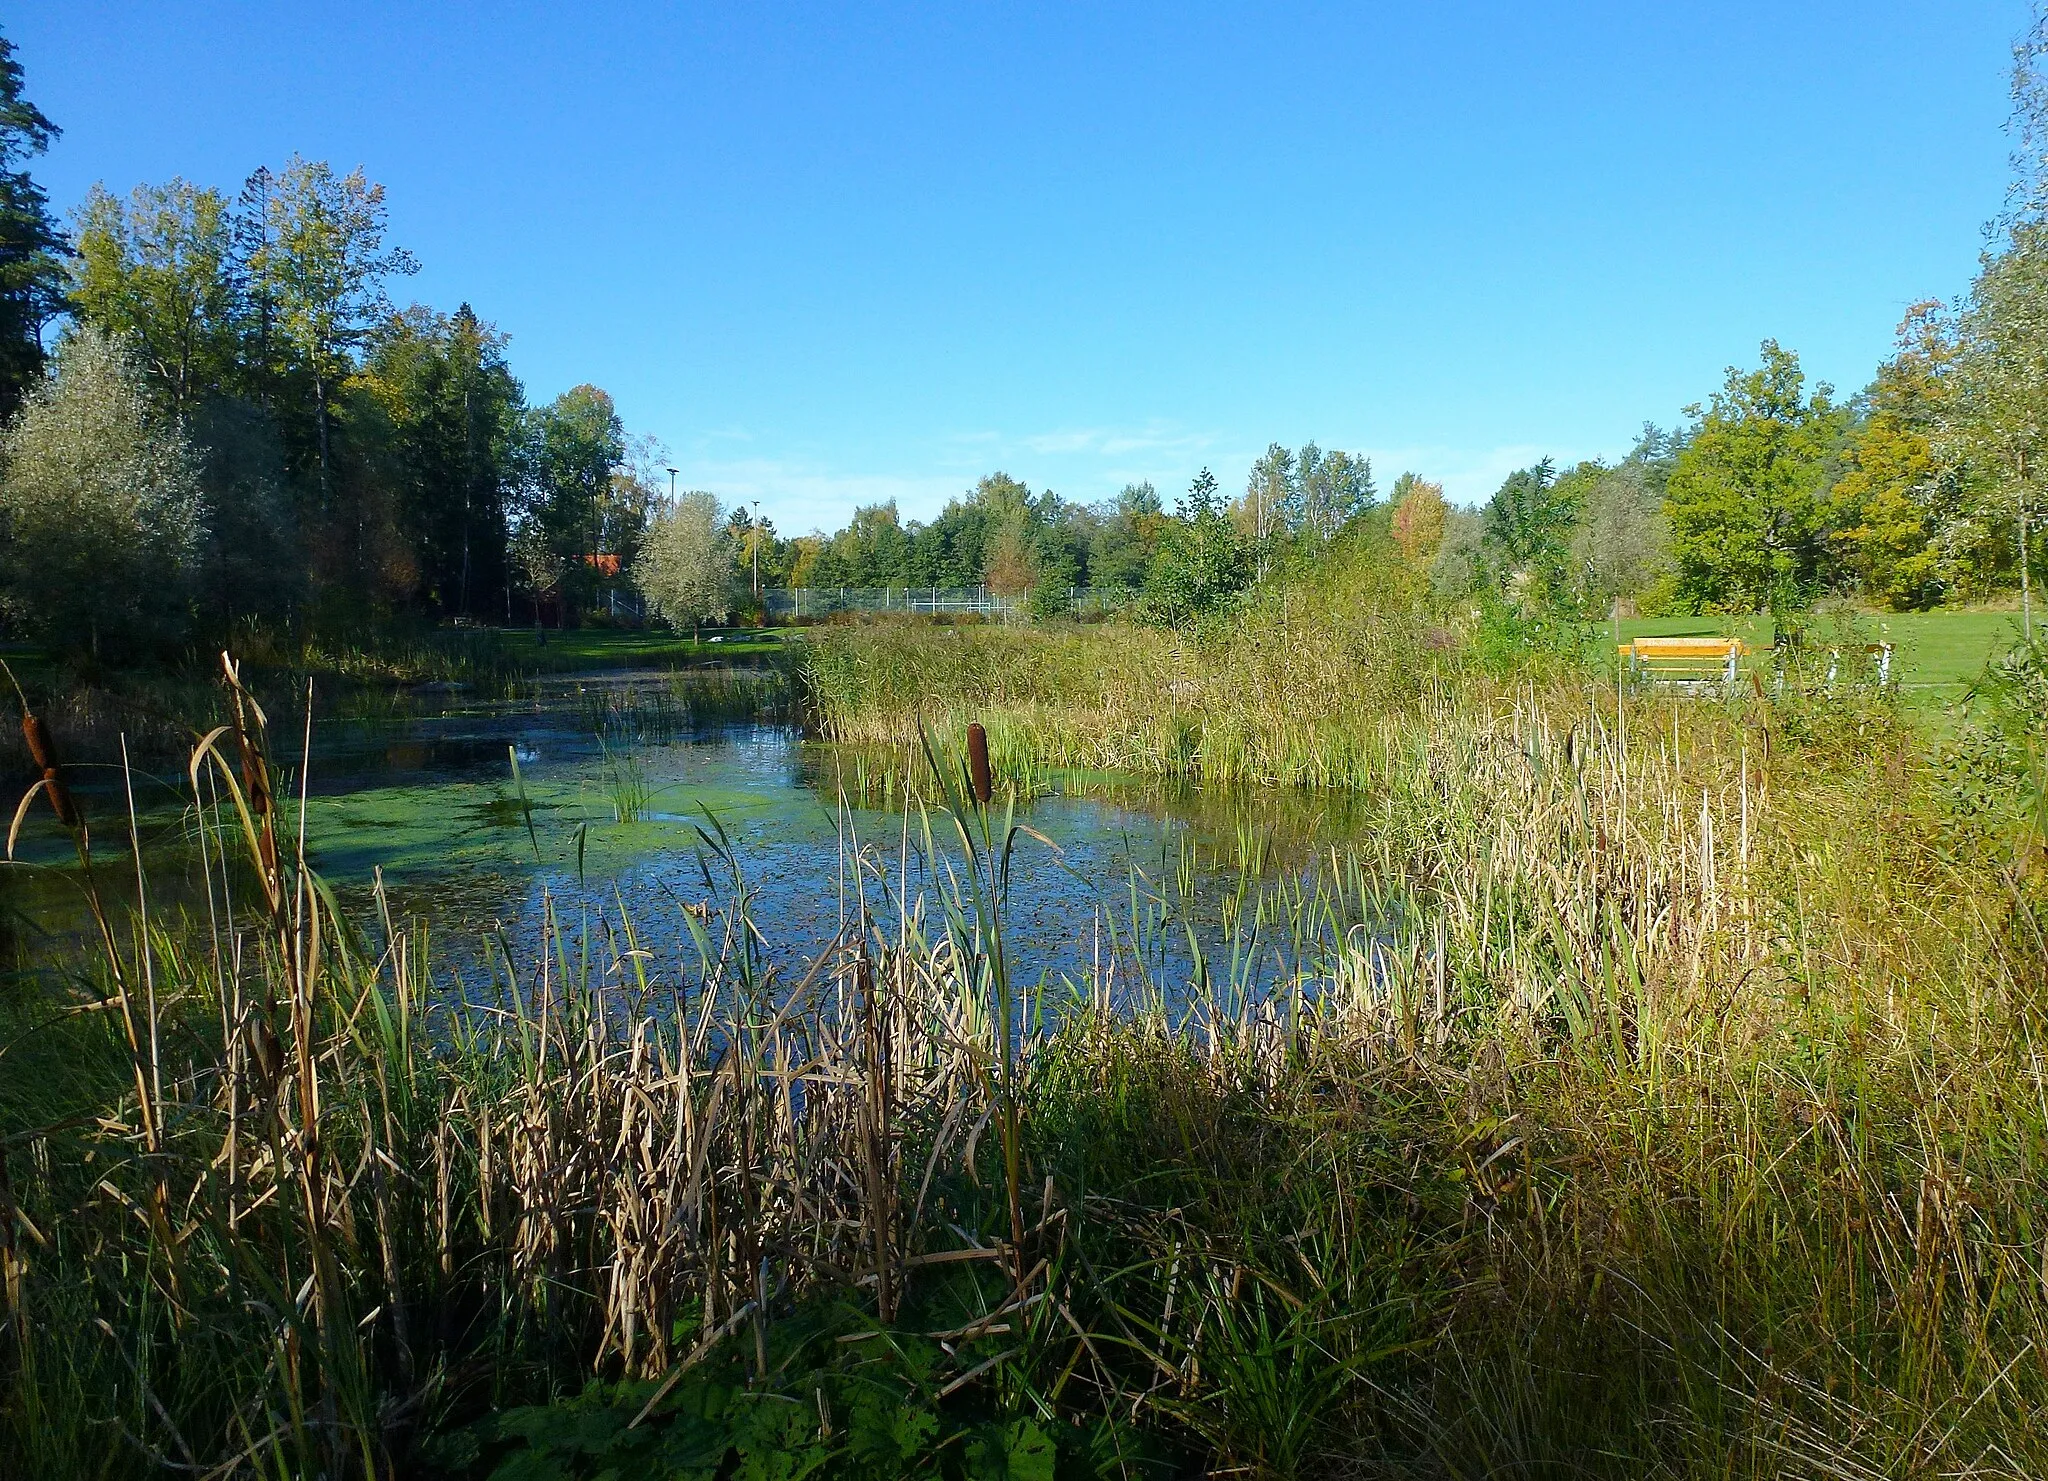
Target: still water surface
[(428, 798)]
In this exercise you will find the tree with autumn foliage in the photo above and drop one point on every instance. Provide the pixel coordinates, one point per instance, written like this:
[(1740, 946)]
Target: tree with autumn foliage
[(1887, 509), (1416, 523)]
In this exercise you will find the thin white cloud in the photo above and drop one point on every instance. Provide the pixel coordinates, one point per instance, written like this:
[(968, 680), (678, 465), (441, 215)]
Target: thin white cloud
[(1162, 438)]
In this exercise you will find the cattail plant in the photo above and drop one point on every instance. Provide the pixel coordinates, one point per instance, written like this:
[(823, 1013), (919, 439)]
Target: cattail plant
[(1539, 1124)]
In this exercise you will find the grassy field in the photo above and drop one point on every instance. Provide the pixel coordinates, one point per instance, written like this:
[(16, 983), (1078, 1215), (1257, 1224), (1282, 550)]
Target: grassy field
[(1937, 654)]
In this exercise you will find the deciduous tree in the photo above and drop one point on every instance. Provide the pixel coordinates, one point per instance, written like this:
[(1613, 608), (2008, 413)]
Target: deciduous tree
[(316, 266), (1330, 490), (99, 506), (1204, 558), (572, 445), (157, 270), (1746, 496), (1620, 545), (685, 565), (1993, 425), (1888, 508), (1528, 525), (1417, 521), (454, 411)]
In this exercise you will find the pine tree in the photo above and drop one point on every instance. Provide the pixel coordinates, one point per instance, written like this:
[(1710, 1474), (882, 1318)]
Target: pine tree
[(32, 248)]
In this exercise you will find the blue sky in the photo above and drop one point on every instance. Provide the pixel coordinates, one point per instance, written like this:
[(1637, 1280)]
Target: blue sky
[(834, 254)]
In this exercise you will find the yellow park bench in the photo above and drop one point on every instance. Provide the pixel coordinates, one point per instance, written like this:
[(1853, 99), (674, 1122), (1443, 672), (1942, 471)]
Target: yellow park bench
[(1684, 663)]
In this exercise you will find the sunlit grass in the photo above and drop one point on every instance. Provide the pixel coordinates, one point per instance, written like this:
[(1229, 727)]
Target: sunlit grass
[(1653, 1089)]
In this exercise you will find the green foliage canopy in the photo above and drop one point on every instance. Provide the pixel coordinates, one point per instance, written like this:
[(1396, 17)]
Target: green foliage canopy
[(31, 247), (685, 566), (100, 512), (1746, 498)]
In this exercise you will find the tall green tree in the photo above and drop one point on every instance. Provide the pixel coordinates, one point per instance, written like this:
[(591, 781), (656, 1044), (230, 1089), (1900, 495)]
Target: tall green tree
[(31, 246), (454, 410), (1270, 491), (1527, 527), (1205, 559), (1330, 490), (873, 550), (1125, 538), (1747, 497), (157, 270), (1994, 423), (685, 564), (1620, 543), (572, 445), (630, 500), (316, 264), (1888, 509), (1991, 431)]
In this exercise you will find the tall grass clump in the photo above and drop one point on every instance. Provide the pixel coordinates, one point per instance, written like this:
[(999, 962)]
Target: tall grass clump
[(1298, 691), (1648, 1092)]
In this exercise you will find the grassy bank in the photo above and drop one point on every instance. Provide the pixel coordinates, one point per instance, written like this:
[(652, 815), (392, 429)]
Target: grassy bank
[(1306, 692), (1651, 1094)]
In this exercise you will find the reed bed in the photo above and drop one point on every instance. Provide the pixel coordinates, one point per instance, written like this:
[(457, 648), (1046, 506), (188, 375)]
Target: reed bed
[(1270, 700), (1652, 1094)]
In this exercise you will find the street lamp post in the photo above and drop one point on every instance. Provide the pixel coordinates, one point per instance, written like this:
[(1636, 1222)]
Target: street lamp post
[(671, 485), (755, 541)]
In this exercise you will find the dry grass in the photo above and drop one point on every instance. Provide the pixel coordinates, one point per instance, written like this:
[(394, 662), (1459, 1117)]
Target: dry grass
[(1646, 1095)]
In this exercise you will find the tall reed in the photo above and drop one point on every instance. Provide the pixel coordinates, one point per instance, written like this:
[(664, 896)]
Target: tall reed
[(1648, 1093)]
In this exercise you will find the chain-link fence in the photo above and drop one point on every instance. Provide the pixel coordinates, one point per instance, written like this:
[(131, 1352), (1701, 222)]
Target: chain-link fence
[(797, 604)]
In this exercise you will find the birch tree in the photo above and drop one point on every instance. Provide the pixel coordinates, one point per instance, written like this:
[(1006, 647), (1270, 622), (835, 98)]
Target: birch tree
[(1996, 420)]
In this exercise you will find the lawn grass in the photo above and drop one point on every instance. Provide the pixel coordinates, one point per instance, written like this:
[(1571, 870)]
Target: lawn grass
[(1937, 654), (611, 647)]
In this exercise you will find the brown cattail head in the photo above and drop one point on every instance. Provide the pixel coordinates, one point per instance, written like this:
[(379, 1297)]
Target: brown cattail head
[(255, 781), (43, 752), (37, 735), (266, 1054), (977, 763), (255, 775)]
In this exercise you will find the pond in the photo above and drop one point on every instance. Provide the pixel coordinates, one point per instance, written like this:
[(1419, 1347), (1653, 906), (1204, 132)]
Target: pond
[(644, 800)]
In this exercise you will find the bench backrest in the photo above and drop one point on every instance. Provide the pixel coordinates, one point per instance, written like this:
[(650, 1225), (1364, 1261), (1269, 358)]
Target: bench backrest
[(1684, 658)]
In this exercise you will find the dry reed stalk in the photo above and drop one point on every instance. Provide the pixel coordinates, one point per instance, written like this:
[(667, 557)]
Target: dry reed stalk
[(624, 1165)]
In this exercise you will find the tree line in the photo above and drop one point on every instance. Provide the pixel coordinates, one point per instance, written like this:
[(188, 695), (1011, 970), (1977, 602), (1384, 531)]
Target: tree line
[(237, 420), (1925, 488), (1018, 542)]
